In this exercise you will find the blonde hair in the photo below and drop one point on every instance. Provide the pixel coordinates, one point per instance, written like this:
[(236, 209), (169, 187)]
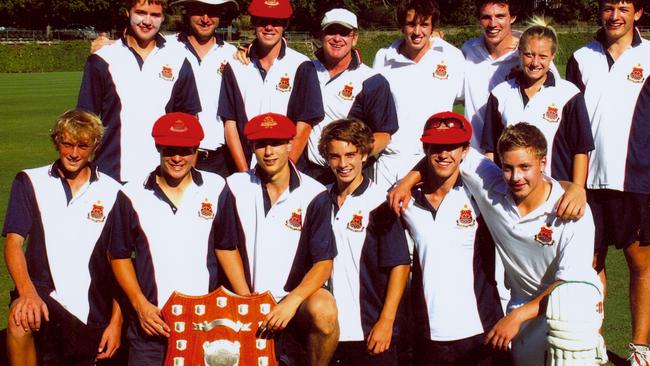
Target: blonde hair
[(539, 27), (81, 126)]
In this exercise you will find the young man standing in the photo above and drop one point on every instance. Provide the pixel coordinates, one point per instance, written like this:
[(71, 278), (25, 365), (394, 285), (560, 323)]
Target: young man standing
[(350, 89), (160, 235), (610, 73), (62, 309), (454, 296), (275, 234), (373, 261), (278, 79), (437, 69), (131, 83)]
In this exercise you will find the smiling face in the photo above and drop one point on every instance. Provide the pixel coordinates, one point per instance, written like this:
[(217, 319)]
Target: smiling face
[(417, 31), (74, 155), (177, 162), (496, 22), (203, 19), (145, 20), (536, 57), (444, 160), (337, 43), (268, 31), (523, 172), (272, 155), (346, 161), (618, 19)]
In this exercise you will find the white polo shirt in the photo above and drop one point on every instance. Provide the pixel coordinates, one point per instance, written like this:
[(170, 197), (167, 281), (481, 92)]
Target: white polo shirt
[(208, 73), (617, 94), (537, 249), (290, 88), (63, 254), (453, 269), (558, 110), (172, 246), (278, 243), (129, 94), (370, 241)]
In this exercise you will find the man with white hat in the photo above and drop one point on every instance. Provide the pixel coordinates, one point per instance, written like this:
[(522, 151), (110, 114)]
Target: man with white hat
[(350, 89)]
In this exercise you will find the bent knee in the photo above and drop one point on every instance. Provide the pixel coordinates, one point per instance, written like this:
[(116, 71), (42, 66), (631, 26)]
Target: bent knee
[(638, 259), (322, 313), (17, 332)]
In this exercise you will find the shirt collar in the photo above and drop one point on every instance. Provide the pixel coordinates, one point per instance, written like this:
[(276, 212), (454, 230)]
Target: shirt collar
[(294, 176), (160, 40), (550, 79), (57, 165), (602, 38), (150, 183), (361, 189), (183, 37), (252, 52), (421, 199)]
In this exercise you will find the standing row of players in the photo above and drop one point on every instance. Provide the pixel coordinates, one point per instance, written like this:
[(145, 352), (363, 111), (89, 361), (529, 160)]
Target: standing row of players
[(279, 80)]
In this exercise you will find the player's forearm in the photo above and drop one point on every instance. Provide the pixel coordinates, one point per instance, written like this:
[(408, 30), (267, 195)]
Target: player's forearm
[(234, 145), (396, 285), (233, 267), (313, 280), (116, 314), (381, 141), (128, 280), (532, 309), (580, 169), (300, 140), (17, 264)]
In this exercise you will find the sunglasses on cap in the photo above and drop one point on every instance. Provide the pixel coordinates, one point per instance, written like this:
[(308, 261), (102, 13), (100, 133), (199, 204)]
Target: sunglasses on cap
[(447, 122), (333, 30), (211, 11)]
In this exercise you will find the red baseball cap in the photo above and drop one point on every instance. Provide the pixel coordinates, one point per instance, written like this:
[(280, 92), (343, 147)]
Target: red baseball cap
[(273, 9), (457, 129), (270, 126), (177, 129)]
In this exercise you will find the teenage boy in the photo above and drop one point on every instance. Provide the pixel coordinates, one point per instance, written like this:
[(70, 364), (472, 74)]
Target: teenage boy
[(62, 310), (350, 89), (278, 80), (453, 259), (131, 83), (275, 234), (159, 239), (435, 66), (372, 265), (610, 73)]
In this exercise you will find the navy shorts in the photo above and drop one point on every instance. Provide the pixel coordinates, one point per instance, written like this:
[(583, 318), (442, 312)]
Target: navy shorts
[(620, 218), (64, 340), (467, 352), (144, 349), (356, 354)]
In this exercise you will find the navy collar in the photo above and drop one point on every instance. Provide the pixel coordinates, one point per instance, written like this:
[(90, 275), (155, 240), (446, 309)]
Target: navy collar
[(361, 189), (184, 38), (150, 183), (54, 171), (160, 40), (252, 52), (421, 200), (294, 176), (636, 38), (550, 79)]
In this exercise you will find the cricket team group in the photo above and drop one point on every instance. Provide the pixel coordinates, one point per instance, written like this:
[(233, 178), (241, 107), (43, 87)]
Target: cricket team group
[(389, 229)]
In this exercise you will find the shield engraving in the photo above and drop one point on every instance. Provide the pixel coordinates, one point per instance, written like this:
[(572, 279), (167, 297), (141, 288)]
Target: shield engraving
[(219, 331)]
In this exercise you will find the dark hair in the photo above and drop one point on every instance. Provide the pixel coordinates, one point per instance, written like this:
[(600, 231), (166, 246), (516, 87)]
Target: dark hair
[(128, 4), (638, 4), (522, 136), (513, 6), (350, 130), (422, 8)]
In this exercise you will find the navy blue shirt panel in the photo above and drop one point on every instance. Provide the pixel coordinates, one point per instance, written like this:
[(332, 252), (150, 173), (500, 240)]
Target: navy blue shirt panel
[(103, 286), (375, 106), (637, 166), (232, 107), (316, 242), (485, 287), (23, 218), (574, 75), (492, 125), (185, 95), (126, 237), (384, 248), (306, 100), (572, 137), (418, 300), (98, 95)]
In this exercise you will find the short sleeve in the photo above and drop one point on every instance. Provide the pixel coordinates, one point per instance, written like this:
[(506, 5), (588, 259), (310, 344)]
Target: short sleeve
[(121, 228), (391, 239), (185, 95), (22, 207), (306, 101)]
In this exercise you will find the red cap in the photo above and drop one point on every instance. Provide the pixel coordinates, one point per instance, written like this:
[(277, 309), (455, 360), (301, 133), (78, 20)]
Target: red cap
[(274, 9), (270, 126), (456, 129), (177, 129)]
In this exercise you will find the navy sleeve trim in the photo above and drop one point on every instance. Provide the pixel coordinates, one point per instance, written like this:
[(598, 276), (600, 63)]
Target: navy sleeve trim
[(123, 227), (93, 85), (581, 140), (388, 229), (22, 207), (306, 100), (493, 125), (375, 106), (573, 73), (228, 231), (185, 95)]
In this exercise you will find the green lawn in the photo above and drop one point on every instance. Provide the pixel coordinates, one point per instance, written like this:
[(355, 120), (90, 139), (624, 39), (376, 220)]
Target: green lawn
[(29, 103)]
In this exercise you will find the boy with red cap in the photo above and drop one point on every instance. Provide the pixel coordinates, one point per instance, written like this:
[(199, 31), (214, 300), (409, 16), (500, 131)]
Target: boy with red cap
[(159, 238), (274, 233), (278, 80), (453, 257)]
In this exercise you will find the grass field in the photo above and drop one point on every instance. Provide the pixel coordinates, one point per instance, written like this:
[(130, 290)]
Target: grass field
[(29, 103)]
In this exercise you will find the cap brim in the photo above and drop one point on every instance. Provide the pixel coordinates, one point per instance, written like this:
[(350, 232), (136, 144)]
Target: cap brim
[(339, 22), (269, 136), (446, 137), (176, 142), (208, 2)]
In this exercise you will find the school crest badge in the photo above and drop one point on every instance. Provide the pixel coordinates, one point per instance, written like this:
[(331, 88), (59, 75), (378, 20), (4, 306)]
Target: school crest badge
[(356, 224), (272, 3), (545, 236), (466, 218), (96, 213), (206, 211), (346, 93), (269, 122), (222, 67), (636, 76), (295, 221), (285, 84), (441, 71), (178, 126), (552, 114), (167, 73), (213, 330)]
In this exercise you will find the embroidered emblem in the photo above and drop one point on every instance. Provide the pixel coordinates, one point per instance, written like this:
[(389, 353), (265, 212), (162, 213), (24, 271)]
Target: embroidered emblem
[(295, 222), (552, 114), (284, 85), (636, 76), (441, 71), (167, 73), (356, 224), (178, 126), (466, 218), (97, 212), (269, 122), (346, 93), (222, 67), (206, 211), (545, 236), (272, 3)]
